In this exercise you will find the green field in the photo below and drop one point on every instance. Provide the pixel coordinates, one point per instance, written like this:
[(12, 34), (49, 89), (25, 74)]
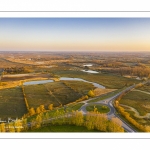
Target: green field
[(63, 128), (56, 93), (138, 100), (107, 80), (100, 108), (12, 103)]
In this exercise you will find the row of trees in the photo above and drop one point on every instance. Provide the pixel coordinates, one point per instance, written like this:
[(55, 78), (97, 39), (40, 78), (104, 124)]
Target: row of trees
[(132, 71), (132, 121), (39, 109), (14, 70), (127, 116), (93, 120)]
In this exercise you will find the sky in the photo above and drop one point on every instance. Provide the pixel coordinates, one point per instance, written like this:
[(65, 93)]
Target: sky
[(74, 34)]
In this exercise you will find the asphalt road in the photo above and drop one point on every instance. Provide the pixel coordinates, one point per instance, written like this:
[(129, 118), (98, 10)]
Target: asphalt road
[(112, 113)]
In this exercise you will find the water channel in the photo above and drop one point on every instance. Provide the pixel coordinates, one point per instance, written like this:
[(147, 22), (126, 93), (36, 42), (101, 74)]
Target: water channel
[(61, 79)]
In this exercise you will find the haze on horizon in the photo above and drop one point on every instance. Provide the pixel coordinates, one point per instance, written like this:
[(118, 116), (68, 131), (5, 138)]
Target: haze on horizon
[(74, 34)]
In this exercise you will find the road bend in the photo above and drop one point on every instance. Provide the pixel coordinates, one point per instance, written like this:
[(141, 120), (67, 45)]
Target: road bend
[(112, 113)]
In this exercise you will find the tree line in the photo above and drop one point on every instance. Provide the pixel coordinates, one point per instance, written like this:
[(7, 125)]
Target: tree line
[(127, 116), (131, 71), (92, 120)]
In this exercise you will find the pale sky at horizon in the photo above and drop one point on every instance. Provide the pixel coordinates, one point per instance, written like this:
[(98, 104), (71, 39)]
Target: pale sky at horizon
[(77, 34)]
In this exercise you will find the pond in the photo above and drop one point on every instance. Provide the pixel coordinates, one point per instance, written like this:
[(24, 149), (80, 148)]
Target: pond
[(90, 71), (61, 79)]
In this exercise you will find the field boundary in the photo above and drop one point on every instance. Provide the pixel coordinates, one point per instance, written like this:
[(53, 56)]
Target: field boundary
[(25, 99)]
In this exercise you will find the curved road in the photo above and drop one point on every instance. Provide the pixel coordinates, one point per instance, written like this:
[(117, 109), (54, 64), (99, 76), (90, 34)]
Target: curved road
[(112, 113)]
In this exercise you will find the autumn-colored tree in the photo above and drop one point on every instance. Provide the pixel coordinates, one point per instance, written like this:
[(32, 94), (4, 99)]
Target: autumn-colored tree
[(24, 124), (31, 111), (115, 125), (77, 118), (101, 122), (91, 93), (46, 116), (18, 125), (147, 128), (11, 127), (32, 124), (38, 110), (2, 127), (90, 120), (50, 107), (95, 110), (86, 97), (38, 121), (42, 108)]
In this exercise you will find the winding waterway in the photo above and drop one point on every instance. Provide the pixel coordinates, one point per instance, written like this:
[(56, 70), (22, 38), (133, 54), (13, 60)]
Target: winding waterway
[(61, 79)]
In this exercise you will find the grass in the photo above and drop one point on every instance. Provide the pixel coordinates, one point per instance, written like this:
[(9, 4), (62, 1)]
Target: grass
[(100, 108), (105, 96), (107, 80), (74, 107), (12, 103), (138, 100), (63, 128)]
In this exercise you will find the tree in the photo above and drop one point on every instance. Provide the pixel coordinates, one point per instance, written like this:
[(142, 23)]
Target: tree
[(91, 93), (86, 97), (50, 107), (38, 110), (11, 127), (42, 108), (2, 127), (101, 122), (18, 125), (31, 111), (46, 116), (77, 118), (38, 121), (90, 120), (24, 124), (115, 125)]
